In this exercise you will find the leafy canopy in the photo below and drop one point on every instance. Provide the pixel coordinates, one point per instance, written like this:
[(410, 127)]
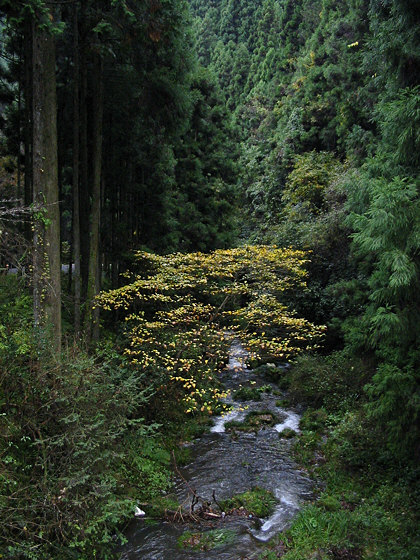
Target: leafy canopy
[(183, 309)]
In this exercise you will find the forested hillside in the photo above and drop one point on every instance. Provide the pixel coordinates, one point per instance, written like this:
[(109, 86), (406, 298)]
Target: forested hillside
[(325, 97), (178, 174)]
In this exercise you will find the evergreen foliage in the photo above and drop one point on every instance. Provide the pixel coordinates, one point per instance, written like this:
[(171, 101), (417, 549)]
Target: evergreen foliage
[(185, 128)]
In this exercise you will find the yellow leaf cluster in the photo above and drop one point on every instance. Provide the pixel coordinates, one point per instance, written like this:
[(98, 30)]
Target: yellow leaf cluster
[(180, 307)]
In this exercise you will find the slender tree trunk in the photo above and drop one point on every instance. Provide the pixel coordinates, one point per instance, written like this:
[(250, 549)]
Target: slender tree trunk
[(28, 193), (47, 269), (19, 176), (94, 254), (76, 205), (84, 208)]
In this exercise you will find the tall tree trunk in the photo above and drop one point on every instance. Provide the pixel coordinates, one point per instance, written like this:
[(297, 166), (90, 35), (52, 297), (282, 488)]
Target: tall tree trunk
[(94, 253), (47, 269), (19, 177), (28, 193), (84, 191), (76, 205)]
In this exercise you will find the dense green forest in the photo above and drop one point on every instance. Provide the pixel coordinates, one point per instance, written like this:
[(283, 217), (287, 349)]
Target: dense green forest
[(171, 171)]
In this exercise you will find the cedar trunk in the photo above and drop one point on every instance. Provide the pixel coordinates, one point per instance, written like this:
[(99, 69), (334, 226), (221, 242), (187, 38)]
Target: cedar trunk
[(94, 253), (47, 267), (28, 61), (76, 155)]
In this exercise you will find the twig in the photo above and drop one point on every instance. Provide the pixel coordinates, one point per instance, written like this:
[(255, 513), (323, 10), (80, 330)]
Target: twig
[(215, 501), (190, 488)]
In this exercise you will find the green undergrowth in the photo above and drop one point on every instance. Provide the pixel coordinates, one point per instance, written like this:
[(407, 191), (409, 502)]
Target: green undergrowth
[(367, 500), (82, 442), (254, 421), (354, 518), (78, 446), (206, 540), (258, 501), (250, 392), (334, 382)]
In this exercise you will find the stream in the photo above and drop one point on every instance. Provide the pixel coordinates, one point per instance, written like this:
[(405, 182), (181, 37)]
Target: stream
[(230, 463)]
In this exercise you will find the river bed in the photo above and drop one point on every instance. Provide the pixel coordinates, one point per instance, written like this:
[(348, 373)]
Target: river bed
[(226, 464)]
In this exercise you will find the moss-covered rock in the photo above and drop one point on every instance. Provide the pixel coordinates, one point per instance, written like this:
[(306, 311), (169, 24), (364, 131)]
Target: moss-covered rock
[(206, 540), (287, 433), (258, 501), (254, 421)]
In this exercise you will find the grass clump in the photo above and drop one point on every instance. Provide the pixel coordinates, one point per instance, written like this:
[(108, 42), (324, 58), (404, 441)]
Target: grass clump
[(251, 393), (254, 421), (247, 394), (287, 433), (206, 540), (258, 501), (329, 502), (160, 505)]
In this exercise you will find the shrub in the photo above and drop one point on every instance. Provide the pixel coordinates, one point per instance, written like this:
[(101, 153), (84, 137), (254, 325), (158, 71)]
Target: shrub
[(314, 420), (334, 382), (73, 447), (356, 443), (395, 403)]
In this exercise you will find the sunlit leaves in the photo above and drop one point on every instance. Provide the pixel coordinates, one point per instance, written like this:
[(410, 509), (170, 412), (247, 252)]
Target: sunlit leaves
[(192, 305)]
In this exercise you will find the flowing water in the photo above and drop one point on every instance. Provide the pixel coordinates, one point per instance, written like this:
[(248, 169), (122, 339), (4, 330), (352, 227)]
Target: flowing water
[(228, 464)]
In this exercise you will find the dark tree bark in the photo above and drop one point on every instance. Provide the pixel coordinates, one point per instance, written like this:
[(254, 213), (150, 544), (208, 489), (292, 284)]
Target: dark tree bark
[(84, 191), (47, 268), (76, 145), (28, 193), (94, 253)]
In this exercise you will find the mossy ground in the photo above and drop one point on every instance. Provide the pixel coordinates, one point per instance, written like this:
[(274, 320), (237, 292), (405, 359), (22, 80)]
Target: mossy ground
[(258, 501), (254, 421), (207, 540)]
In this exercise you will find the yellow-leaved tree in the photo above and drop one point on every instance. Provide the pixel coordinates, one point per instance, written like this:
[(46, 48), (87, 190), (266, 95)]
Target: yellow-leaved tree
[(183, 310)]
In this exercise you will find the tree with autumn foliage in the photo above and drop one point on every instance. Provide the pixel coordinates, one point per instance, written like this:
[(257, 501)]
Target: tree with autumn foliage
[(183, 310)]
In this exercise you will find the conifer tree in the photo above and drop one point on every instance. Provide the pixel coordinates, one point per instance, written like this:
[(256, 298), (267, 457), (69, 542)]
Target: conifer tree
[(47, 266)]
